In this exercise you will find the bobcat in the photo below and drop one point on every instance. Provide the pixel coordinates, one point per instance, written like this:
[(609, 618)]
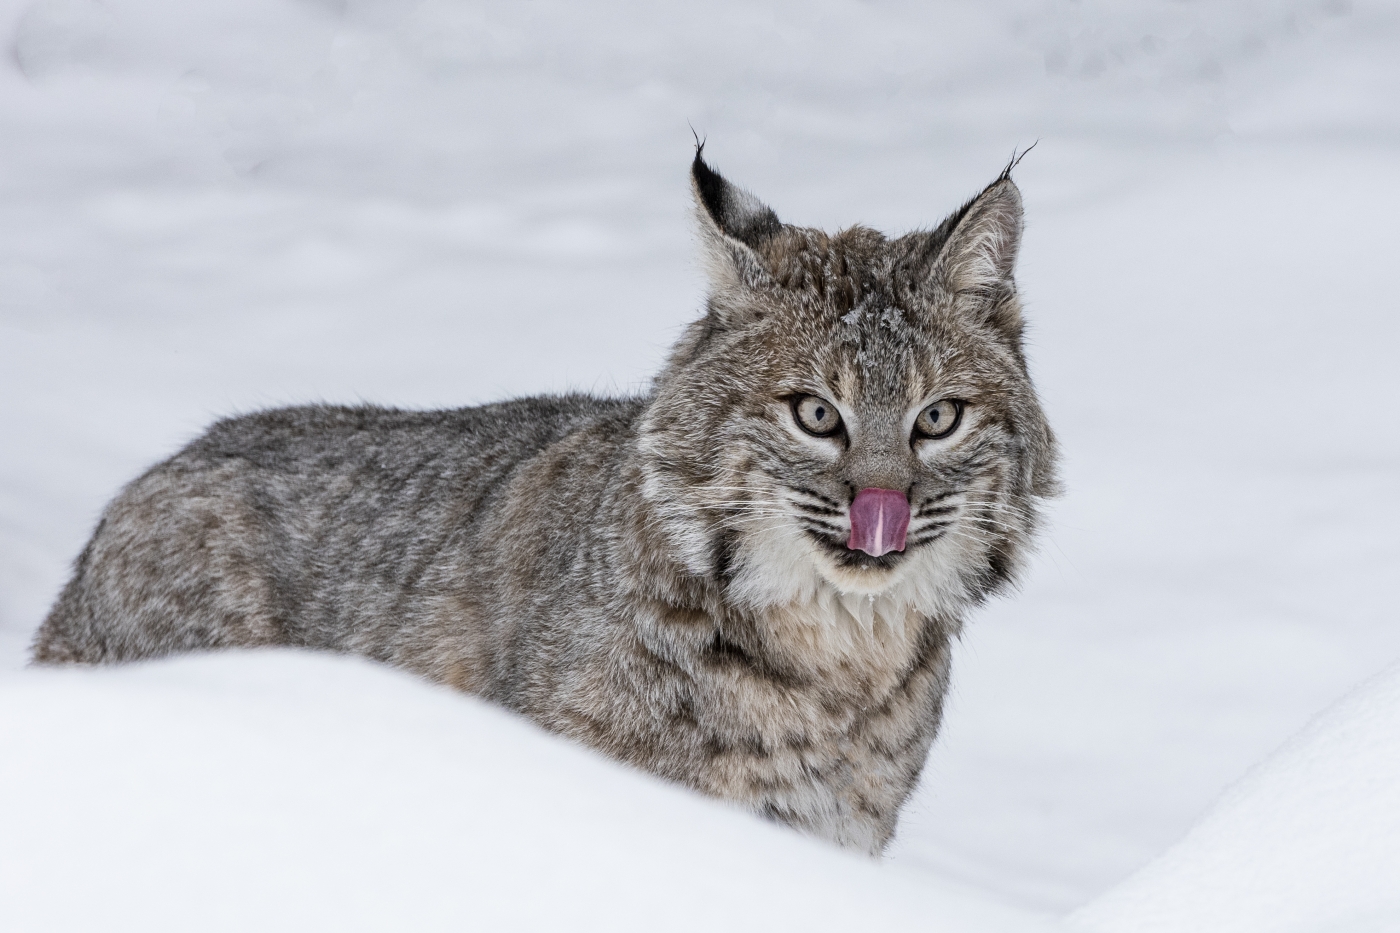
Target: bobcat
[(745, 581)]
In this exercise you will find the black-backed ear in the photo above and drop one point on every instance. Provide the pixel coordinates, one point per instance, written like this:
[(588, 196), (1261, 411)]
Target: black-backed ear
[(733, 225)]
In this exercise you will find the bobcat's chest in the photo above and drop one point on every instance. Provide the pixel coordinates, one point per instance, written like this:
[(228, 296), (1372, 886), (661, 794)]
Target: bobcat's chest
[(851, 644), (835, 743)]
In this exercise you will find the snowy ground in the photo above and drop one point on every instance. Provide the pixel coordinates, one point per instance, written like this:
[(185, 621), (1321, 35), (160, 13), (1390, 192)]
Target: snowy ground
[(218, 206)]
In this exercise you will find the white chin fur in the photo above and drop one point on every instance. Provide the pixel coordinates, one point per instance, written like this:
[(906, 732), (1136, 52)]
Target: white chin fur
[(862, 581), (780, 566)]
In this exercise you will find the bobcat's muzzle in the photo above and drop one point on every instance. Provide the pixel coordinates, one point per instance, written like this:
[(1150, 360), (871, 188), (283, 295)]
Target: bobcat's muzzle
[(879, 520)]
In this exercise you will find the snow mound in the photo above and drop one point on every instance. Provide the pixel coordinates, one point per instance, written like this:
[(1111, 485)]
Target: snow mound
[(1308, 841), (289, 791)]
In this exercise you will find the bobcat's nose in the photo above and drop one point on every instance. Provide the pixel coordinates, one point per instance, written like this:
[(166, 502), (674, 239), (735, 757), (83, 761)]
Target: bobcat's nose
[(879, 519)]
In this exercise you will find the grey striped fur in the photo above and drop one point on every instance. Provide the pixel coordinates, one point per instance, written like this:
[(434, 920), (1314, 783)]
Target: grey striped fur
[(663, 578)]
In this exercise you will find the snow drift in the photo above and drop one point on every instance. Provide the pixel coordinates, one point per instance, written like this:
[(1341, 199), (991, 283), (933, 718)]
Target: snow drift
[(279, 790), (1307, 842)]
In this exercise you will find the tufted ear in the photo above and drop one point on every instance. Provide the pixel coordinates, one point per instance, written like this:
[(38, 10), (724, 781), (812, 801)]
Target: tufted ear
[(979, 254), (972, 254), (733, 225)]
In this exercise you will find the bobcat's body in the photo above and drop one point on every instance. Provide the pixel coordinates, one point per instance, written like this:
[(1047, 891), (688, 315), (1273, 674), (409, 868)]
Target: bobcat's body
[(663, 578)]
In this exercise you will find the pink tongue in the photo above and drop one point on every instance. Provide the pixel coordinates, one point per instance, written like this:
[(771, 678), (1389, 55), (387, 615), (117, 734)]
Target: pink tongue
[(879, 519)]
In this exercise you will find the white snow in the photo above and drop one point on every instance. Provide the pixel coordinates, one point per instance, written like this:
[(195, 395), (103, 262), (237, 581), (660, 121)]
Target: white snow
[(218, 206), (1305, 842), (295, 792)]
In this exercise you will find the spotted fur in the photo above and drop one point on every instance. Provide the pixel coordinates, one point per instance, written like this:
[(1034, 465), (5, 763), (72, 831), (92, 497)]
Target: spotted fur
[(664, 578)]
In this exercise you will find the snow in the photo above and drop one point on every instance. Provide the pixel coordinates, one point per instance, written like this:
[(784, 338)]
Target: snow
[(278, 791), (221, 206), (1305, 842)]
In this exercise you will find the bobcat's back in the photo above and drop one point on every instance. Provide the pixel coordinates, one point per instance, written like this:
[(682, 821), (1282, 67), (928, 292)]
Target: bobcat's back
[(303, 526)]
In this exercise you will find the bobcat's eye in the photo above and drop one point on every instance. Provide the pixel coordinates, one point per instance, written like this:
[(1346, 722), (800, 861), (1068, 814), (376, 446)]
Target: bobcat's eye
[(816, 415), (939, 419)]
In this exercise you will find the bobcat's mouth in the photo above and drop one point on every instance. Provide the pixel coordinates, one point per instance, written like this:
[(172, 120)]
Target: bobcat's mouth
[(850, 559)]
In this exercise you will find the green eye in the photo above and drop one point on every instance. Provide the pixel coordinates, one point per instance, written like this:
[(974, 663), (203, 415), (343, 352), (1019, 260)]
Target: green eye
[(939, 419), (816, 416)]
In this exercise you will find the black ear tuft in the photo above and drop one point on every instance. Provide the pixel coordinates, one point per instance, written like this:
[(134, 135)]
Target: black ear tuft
[(734, 211), (1015, 161)]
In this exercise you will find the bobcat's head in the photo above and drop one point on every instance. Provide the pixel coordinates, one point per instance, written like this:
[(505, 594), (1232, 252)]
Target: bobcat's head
[(852, 412)]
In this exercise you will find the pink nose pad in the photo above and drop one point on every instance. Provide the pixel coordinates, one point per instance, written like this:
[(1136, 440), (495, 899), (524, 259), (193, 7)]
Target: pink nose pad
[(879, 520)]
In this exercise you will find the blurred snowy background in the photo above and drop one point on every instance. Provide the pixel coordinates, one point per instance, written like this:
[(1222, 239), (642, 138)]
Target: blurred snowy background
[(221, 205)]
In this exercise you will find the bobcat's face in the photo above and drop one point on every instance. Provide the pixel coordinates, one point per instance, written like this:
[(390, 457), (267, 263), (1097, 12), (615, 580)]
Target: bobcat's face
[(854, 412), (877, 441)]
